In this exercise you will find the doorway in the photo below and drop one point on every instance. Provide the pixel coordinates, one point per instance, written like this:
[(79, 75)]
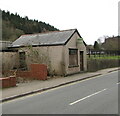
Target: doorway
[(81, 61), (22, 61)]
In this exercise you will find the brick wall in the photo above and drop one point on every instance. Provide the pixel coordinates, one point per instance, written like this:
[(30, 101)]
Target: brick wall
[(8, 82), (37, 71)]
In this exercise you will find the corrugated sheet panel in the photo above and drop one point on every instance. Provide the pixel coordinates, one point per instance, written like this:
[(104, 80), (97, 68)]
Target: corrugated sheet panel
[(50, 38)]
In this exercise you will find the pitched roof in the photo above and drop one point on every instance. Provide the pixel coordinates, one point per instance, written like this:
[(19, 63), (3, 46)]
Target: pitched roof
[(42, 39)]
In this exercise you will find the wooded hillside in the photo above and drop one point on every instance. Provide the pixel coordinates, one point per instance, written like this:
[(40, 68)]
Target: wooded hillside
[(14, 25)]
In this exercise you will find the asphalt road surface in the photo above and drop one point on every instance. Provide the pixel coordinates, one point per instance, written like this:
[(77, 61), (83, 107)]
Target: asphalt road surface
[(98, 95)]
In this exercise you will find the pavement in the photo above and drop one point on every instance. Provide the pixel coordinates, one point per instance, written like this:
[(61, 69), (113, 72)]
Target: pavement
[(23, 89)]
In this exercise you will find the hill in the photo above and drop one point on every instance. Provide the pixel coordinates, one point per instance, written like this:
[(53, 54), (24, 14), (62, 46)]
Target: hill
[(14, 26)]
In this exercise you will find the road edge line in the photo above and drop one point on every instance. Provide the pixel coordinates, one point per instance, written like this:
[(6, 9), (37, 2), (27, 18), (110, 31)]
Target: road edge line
[(44, 89)]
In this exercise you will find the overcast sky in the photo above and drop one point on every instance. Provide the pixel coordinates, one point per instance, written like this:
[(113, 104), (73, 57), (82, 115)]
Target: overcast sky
[(92, 18)]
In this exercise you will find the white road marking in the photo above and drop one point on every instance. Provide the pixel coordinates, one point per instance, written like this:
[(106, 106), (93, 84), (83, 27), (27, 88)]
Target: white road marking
[(57, 88), (87, 97)]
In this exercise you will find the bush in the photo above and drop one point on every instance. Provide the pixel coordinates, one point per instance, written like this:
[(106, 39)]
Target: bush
[(97, 64)]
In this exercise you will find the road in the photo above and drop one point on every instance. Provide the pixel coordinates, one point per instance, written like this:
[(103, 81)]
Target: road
[(98, 95)]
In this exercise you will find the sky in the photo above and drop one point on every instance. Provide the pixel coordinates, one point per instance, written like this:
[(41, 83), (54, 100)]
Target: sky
[(92, 18)]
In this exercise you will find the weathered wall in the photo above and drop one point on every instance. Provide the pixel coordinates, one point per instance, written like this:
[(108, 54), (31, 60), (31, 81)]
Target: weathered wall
[(97, 64), (49, 55), (9, 60), (81, 47), (56, 58)]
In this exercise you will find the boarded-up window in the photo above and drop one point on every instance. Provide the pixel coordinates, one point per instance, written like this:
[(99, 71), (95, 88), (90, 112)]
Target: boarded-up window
[(73, 57), (22, 61)]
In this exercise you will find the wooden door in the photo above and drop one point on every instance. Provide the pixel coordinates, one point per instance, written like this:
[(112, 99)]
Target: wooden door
[(81, 61)]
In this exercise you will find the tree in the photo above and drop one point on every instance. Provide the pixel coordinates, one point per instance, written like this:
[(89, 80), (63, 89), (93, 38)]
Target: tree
[(96, 46), (14, 25)]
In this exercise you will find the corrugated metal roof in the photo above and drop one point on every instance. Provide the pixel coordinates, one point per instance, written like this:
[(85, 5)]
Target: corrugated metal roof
[(50, 38)]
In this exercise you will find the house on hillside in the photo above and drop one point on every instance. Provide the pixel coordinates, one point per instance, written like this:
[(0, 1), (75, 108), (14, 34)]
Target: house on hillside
[(112, 43), (64, 52)]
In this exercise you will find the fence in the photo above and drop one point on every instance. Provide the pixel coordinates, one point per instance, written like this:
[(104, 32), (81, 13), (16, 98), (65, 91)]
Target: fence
[(102, 53)]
